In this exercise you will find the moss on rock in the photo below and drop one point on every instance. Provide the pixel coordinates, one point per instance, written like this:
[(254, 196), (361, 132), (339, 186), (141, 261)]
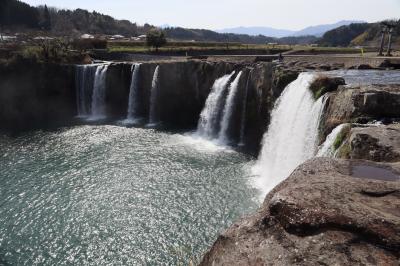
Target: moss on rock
[(324, 84), (342, 137)]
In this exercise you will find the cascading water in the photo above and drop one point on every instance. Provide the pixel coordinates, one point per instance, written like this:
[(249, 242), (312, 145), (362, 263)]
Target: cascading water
[(292, 136), (133, 95), (228, 110), (209, 117), (327, 149), (99, 93), (244, 107), (84, 78), (153, 119)]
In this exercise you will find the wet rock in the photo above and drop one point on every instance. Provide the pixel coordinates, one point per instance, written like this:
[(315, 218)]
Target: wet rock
[(282, 78), (324, 84), (338, 65), (364, 67), (392, 64), (358, 104), (375, 143), (325, 67), (321, 215), (36, 95)]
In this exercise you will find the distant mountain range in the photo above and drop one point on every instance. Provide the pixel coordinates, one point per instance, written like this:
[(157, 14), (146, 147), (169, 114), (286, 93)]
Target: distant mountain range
[(16, 16), (317, 31)]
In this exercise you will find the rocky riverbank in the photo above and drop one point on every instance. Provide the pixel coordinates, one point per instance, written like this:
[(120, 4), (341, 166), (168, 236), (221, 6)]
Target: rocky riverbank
[(328, 212), (332, 211)]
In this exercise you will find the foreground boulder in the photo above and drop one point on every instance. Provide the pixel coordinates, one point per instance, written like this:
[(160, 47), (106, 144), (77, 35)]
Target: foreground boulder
[(328, 212)]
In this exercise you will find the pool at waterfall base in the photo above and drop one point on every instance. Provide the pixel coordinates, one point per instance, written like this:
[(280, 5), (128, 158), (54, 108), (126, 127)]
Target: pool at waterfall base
[(103, 195), (121, 191)]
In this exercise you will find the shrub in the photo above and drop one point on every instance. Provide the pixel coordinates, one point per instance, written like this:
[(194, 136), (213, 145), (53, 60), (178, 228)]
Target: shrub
[(340, 138), (156, 38), (89, 44)]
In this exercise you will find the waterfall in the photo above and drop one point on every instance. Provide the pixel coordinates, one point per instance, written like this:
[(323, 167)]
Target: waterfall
[(153, 98), (292, 136), (133, 94), (244, 107), (84, 78), (228, 110), (99, 93), (327, 149), (209, 117)]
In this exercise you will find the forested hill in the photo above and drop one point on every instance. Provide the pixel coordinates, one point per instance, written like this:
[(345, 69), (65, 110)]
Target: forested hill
[(212, 36), (16, 15), (367, 34)]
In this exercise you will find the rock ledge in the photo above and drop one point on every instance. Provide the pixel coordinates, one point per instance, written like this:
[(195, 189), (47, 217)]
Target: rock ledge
[(321, 215)]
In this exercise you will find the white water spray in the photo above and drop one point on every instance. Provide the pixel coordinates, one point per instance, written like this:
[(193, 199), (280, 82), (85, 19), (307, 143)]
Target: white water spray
[(244, 109), (292, 136), (153, 98), (99, 93), (84, 78), (209, 117), (228, 110), (133, 94), (327, 149)]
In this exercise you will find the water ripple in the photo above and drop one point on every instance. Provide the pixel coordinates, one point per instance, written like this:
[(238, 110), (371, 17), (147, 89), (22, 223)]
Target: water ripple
[(100, 195)]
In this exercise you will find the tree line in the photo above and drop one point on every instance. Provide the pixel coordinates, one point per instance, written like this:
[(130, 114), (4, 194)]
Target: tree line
[(15, 14), (358, 34)]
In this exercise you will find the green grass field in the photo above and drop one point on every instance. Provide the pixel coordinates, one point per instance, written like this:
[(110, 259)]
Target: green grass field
[(140, 47), (176, 47)]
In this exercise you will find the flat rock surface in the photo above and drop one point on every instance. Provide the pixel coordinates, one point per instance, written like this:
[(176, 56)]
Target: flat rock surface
[(359, 104), (328, 212), (376, 143)]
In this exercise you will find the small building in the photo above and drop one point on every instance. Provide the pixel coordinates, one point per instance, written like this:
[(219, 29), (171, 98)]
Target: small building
[(7, 38), (87, 36), (117, 37), (42, 38)]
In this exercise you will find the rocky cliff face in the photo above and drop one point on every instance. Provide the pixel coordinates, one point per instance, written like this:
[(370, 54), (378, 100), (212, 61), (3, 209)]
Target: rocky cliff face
[(362, 104), (184, 87), (328, 212), (37, 95), (363, 107)]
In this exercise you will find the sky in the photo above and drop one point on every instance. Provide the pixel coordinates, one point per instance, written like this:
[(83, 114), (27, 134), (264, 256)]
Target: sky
[(220, 14)]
